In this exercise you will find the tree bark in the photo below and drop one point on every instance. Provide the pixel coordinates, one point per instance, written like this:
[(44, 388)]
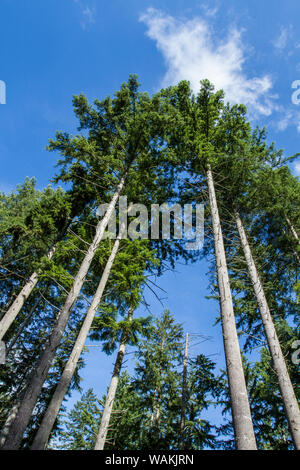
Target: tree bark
[(111, 394), (5, 429), (155, 416), (284, 381), (42, 436), (292, 228), (241, 415), (295, 235), (19, 301), (183, 399), (14, 410), (34, 386), (23, 326), (21, 298)]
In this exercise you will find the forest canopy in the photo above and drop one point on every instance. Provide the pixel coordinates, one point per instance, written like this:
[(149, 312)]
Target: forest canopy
[(67, 277)]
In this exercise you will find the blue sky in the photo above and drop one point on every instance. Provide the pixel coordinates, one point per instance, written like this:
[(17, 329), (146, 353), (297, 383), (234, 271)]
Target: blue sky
[(53, 49)]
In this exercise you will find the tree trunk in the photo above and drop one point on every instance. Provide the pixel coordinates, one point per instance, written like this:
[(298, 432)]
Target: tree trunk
[(42, 436), (241, 415), (21, 298), (183, 399), (295, 235), (23, 326), (285, 384), (35, 384), (6, 428), (155, 416), (18, 303), (14, 410), (111, 394), (292, 228)]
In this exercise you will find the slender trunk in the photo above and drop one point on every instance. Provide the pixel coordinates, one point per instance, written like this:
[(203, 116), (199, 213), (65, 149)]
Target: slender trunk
[(157, 412), (295, 235), (183, 399), (7, 425), (292, 228), (18, 303), (155, 416), (152, 419), (23, 326), (285, 384), (14, 410), (111, 394), (241, 415), (42, 436), (35, 384), (21, 298)]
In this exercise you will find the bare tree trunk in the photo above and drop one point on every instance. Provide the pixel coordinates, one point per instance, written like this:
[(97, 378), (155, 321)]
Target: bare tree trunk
[(18, 303), (295, 235), (292, 228), (183, 399), (241, 415), (42, 436), (23, 326), (111, 394), (157, 412), (152, 418), (285, 384), (34, 386), (155, 416), (14, 410), (21, 298), (5, 429)]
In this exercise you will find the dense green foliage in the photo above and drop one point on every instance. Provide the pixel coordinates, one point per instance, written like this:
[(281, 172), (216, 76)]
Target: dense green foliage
[(163, 146)]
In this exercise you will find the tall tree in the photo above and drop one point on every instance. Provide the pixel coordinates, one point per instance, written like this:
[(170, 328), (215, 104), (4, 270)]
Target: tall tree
[(286, 388), (200, 153), (247, 157), (117, 126), (157, 381), (78, 427), (44, 215), (204, 388), (49, 418), (111, 393), (184, 392)]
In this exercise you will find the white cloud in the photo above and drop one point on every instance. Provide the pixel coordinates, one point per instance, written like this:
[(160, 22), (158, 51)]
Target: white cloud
[(192, 52), (209, 10), (281, 41), (297, 169), (87, 14), (285, 120), (287, 117)]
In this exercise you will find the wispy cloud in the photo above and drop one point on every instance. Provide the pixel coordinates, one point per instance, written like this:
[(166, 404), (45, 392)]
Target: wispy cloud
[(287, 118), (210, 10), (297, 169), (192, 52), (87, 12), (281, 42)]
